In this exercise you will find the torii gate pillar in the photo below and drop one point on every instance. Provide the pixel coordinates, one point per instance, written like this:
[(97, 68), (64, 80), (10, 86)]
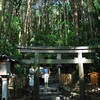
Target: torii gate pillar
[(81, 77), (36, 76)]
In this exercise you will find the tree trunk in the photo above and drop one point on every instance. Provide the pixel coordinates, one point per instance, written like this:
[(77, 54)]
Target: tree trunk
[(51, 20), (2, 9), (89, 6), (66, 18), (75, 22), (26, 23), (60, 24), (8, 26)]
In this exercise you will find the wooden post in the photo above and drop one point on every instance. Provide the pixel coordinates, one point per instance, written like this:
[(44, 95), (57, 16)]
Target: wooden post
[(81, 77), (36, 77)]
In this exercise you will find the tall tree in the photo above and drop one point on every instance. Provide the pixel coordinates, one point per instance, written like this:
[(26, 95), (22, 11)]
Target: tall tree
[(27, 23), (2, 9), (89, 7), (8, 26), (75, 22), (60, 23)]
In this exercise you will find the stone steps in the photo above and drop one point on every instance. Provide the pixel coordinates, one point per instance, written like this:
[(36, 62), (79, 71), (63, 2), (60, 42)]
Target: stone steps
[(59, 97), (48, 89), (50, 93)]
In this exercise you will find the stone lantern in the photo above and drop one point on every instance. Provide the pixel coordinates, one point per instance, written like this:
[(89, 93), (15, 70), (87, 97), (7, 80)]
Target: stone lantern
[(5, 71)]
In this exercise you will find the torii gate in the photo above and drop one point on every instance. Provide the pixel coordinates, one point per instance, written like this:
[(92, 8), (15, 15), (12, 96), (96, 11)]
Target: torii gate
[(58, 50)]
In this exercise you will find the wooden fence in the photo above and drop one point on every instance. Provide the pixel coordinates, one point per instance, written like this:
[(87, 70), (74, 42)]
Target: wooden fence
[(65, 79)]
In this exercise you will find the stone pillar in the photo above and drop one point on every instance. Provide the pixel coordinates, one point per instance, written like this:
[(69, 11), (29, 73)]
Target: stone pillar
[(4, 89), (59, 57), (59, 71)]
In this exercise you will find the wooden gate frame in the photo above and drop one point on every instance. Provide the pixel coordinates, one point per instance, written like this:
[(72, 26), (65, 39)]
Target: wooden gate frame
[(58, 50)]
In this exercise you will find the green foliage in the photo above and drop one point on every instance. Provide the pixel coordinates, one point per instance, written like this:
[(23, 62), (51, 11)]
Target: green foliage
[(19, 70), (71, 38), (15, 23), (13, 36)]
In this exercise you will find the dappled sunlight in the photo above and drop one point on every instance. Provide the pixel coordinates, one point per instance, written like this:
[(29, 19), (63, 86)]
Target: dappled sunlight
[(76, 87)]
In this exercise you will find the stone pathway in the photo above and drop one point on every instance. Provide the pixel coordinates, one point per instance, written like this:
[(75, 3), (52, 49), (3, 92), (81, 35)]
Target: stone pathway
[(50, 93)]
